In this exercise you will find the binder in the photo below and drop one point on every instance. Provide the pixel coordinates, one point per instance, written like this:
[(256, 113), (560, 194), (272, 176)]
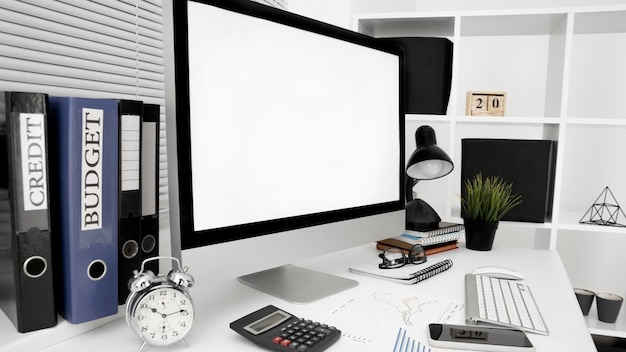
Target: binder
[(129, 217), (428, 73), (26, 265), (84, 176), (528, 164), (150, 185)]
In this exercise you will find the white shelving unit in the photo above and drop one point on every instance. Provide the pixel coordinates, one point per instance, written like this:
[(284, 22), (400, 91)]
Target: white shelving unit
[(564, 73)]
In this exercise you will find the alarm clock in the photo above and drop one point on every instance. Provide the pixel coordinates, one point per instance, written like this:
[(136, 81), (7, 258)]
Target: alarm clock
[(159, 308)]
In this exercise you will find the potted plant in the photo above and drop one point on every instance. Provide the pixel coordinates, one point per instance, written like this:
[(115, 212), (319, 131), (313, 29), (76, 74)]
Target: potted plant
[(484, 202)]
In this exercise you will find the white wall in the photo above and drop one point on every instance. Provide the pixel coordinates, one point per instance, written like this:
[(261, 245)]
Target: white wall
[(335, 12)]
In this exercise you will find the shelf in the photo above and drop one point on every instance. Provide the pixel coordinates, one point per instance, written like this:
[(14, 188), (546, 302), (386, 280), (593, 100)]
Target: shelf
[(596, 121), (506, 120), (512, 25), (36, 340), (422, 118), (497, 120), (596, 327), (526, 67), (390, 25), (571, 222), (456, 211), (592, 158), (562, 70), (598, 76), (600, 22)]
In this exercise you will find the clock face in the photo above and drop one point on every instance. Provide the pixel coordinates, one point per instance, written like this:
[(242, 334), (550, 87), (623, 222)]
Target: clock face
[(162, 315)]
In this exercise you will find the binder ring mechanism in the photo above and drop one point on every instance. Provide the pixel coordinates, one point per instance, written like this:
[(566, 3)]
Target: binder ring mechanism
[(145, 278)]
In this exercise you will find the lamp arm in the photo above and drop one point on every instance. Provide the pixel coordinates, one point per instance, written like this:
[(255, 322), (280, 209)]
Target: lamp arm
[(408, 188)]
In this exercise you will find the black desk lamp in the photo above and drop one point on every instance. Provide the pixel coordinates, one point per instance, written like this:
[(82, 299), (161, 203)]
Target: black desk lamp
[(427, 162)]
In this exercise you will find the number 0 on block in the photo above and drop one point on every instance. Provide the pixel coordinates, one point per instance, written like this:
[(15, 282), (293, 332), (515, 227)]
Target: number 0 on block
[(485, 103)]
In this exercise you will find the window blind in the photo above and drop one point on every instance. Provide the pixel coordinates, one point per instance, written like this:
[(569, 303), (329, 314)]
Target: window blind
[(93, 49)]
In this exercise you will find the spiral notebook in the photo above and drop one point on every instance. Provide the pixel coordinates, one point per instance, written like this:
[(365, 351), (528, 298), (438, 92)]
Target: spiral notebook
[(408, 274)]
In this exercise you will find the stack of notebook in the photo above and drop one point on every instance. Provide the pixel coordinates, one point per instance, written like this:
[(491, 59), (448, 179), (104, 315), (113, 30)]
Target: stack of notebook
[(443, 238)]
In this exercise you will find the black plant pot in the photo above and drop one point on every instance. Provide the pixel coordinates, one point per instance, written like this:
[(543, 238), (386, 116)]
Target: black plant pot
[(479, 235)]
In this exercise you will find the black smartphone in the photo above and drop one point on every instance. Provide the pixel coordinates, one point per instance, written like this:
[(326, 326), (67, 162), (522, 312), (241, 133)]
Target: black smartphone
[(480, 338)]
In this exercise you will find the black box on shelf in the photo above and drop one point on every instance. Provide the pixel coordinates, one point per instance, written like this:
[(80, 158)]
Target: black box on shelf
[(527, 164), (428, 73)]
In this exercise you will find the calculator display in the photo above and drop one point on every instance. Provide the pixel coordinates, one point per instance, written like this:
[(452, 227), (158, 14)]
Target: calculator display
[(267, 322)]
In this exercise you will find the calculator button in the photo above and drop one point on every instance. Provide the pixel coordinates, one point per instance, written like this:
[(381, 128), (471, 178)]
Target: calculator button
[(285, 342), (323, 330), (302, 348), (277, 339)]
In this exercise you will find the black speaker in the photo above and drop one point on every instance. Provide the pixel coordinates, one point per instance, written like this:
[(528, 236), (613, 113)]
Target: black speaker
[(428, 67), (527, 164)]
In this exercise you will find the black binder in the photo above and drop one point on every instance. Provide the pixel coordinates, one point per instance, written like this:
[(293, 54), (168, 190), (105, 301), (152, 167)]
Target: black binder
[(428, 72), (129, 257), (528, 164), (150, 185), (26, 266)]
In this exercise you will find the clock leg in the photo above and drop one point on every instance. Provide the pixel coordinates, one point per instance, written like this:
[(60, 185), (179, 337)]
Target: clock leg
[(185, 343), (142, 346)]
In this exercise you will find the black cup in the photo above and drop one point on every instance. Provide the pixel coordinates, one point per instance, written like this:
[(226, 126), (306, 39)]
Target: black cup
[(585, 299), (608, 306)]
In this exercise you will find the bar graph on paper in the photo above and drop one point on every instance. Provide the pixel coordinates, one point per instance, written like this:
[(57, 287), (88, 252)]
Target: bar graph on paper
[(360, 318), (405, 343)]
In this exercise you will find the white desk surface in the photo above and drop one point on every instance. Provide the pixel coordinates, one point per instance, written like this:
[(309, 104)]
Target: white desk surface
[(221, 302)]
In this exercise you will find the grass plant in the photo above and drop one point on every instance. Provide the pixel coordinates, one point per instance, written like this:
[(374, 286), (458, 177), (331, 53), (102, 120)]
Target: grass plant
[(488, 199)]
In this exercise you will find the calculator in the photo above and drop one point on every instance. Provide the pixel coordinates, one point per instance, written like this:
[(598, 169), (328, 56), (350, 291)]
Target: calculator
[(277, 330)]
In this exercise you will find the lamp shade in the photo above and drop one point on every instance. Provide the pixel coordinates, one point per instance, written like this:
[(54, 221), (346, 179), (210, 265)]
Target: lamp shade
[(428, 161)]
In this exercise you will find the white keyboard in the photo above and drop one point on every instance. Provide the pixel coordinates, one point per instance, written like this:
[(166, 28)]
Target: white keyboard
[(502, 302)]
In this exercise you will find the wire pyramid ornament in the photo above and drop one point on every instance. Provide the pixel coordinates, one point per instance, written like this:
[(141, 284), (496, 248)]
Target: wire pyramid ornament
[(603, 213)]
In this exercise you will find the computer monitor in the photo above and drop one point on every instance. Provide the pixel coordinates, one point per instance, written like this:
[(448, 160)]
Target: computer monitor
[(282, 123)]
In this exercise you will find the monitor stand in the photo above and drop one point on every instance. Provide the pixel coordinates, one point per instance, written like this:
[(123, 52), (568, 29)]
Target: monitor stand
[(297, 285)]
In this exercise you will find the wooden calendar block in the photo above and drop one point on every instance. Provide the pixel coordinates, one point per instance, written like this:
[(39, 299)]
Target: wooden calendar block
[(485, 103), (478, 103)]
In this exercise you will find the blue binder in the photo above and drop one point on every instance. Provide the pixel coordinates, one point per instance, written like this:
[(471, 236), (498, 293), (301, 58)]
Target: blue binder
[(84, 180)]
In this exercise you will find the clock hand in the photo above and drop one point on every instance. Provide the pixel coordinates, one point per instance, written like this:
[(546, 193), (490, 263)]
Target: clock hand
[(179, 311), (161, 314)]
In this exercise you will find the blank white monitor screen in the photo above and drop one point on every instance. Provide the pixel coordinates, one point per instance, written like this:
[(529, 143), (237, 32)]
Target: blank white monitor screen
[(285, 122)]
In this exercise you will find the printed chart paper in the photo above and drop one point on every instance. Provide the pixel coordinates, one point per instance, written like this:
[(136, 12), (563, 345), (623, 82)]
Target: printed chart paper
[(360, 318)]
